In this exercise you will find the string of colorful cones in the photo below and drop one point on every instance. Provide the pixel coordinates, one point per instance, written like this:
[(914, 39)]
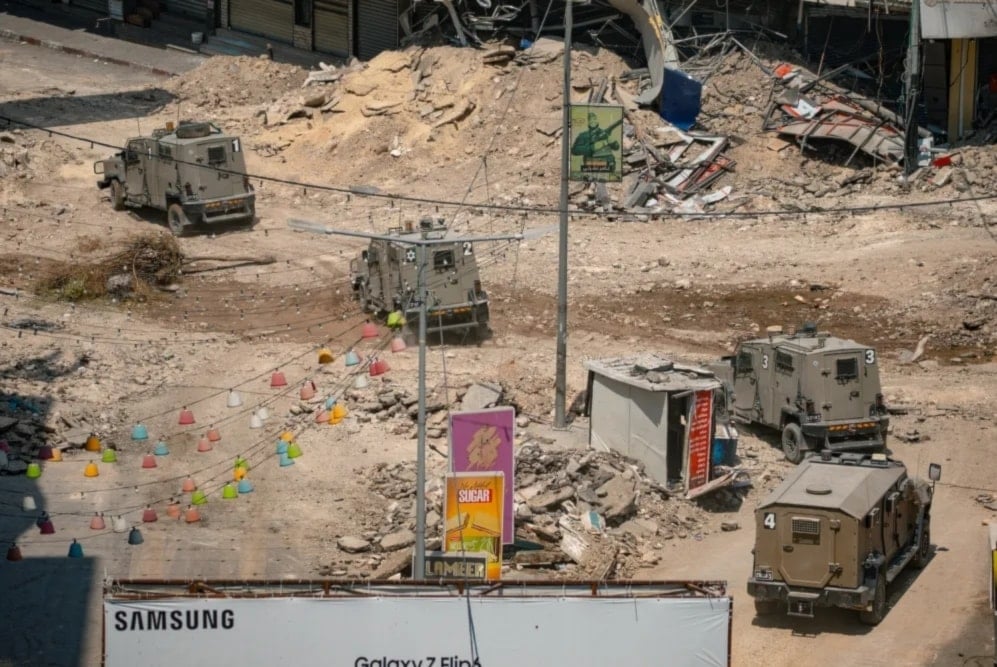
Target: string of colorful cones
[(331, 412)]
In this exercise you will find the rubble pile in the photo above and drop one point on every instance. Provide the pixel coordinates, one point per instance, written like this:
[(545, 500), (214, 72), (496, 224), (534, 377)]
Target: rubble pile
[(583, 513), (223, 82)]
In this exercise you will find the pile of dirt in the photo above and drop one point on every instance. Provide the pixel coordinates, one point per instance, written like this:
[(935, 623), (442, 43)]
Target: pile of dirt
[(227, 81), (144, 262)]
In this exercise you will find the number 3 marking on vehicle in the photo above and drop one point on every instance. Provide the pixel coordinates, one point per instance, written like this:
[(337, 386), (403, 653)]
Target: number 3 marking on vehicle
[(769, 520), (870, 356), (765, 361), (467, 248)]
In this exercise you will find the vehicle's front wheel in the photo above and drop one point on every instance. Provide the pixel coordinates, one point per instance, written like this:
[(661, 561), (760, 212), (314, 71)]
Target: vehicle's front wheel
[(878, 611), (923, 547), (117, 195), (793, 443), (177, 220)]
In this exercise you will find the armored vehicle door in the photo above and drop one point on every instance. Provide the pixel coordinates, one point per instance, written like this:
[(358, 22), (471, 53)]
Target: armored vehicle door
[(807, 545), (159, 172), (748, 364), (787, 368), (375, 285), (849, 387), (136, 158), (893, 528)]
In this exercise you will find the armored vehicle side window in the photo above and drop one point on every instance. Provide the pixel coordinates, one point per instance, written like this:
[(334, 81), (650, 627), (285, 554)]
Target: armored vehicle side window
[(132, 153), (165, 153), (216, 155), (846, 369), (443, 259), (744, 364), (783, 362)]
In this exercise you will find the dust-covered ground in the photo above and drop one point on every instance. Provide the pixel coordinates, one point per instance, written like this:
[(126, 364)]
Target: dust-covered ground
[(463, 130)]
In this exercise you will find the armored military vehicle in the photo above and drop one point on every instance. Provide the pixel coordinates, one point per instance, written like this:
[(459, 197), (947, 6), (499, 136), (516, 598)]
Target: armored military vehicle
[(385, 276), (837, 531), (822, 392), (194, 172)]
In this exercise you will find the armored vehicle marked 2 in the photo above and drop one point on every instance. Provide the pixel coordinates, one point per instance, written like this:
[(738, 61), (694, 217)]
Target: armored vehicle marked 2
[(837, 531), (822, 392), (195, 172), (385, 277)]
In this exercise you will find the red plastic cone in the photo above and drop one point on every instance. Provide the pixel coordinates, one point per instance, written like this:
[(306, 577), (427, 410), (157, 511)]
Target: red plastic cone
[(278, 380), (186, 417)]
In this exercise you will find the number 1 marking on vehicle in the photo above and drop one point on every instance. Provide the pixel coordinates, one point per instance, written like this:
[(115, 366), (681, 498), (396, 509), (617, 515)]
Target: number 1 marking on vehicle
[(235, 146), (769, 520)]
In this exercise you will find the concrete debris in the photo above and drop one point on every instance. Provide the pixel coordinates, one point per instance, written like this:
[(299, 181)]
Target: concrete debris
[(480, 396)]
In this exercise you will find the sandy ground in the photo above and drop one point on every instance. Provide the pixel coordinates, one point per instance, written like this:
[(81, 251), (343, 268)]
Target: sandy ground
[(685, 288)]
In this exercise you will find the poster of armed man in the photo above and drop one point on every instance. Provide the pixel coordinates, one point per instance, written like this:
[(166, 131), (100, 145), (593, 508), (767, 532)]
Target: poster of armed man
[(596, 143)]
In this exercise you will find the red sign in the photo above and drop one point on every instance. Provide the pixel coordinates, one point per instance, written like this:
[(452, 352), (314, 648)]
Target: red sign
[(698, 468)]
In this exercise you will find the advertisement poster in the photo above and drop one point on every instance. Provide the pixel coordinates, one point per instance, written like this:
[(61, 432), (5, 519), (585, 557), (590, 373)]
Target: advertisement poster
[(483, 441), (472, 517), (596, 143), (700, 426)]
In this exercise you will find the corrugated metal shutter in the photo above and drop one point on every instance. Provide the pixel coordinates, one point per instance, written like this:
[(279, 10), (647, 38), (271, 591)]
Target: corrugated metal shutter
[(194, 9), (269, 18), (377, 27), (95, 5), (332, 26)]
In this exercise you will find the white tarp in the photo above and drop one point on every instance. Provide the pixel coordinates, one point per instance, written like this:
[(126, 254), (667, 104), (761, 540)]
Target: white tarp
[(955, 19), (418, 631)]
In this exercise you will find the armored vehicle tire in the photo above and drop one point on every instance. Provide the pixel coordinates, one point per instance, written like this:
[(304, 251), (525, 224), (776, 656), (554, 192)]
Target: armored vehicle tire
[(766, 607), (924, 548), (177, 219), (878, 612), (793, 443), (117, 195)]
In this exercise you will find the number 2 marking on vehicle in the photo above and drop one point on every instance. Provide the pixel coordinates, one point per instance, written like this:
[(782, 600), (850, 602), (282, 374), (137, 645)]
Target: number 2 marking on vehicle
[(870, 356), (467, 248), (769, 520), (765, 361)]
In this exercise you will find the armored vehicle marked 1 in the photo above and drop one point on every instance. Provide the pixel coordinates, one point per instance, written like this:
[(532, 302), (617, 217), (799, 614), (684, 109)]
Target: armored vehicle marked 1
[(822, 392), (837, 531), (385, 277), (195, 172)]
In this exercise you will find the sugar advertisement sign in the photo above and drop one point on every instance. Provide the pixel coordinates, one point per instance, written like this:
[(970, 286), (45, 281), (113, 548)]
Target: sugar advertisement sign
[(483, 441), (700, 425), (473, 517)]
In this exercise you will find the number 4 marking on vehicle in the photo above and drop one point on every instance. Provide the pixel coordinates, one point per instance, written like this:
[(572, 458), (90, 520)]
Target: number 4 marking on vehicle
[(870, 356), (769, 520)]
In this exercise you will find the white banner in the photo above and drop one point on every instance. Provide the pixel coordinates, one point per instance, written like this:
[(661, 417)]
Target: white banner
[(418, 632), (958, 19)]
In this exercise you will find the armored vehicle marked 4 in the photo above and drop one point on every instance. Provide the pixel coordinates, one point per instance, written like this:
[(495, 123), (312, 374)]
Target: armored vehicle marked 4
[(822, 392), (837, 531), (385, 277), (194, 172)]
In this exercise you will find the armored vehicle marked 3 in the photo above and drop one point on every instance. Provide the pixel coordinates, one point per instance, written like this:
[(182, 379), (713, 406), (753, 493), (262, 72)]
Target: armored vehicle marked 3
[(822, 392), (194, 172), (837, 531)]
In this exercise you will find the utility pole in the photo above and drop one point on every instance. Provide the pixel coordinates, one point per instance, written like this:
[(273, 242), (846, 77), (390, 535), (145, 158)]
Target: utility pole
[(560, 385), (421, 242), (911, 135)]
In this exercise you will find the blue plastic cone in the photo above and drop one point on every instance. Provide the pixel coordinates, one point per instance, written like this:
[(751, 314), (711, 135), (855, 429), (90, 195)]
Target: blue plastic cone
[(285, 460), (139, 432), (245, 486), (282, 448), (75, 550), (161, 449), (135, 537)]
